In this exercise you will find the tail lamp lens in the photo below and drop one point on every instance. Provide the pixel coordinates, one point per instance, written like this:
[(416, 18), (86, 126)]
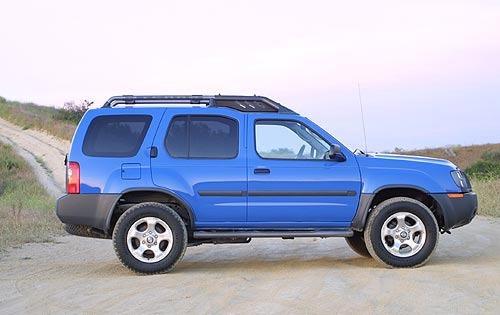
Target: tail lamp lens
[(73, 178)]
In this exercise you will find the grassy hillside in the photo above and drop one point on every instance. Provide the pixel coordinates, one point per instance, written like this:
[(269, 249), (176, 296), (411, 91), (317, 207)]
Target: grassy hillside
[(58, 122), (462, 156), (26, 210)]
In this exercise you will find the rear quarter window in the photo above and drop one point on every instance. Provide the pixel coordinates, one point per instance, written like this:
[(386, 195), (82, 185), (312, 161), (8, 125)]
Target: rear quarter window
[(116, 135)]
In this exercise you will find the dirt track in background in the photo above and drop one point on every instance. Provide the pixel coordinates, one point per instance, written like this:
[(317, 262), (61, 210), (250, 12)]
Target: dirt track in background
[(34, 146), (75, 275)]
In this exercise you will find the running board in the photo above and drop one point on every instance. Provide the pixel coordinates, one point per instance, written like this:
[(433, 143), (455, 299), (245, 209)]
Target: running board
[(274, 233)]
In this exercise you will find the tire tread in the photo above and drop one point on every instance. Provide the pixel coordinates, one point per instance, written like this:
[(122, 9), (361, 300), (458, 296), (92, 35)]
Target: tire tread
[(131, 212), (369, 226)]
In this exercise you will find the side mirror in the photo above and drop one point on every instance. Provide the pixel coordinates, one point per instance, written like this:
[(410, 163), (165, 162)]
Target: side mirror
[(335, 153)]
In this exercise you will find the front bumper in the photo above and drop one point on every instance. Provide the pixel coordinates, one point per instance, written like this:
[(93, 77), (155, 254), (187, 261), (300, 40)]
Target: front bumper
[(92, 210), (457, 211)]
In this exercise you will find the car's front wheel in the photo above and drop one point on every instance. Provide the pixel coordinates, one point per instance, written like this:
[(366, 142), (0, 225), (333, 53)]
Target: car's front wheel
[(150, 238), (401, 232)]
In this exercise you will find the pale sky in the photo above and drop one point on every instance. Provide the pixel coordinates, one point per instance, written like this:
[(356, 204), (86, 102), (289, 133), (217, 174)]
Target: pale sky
[(429, 70)]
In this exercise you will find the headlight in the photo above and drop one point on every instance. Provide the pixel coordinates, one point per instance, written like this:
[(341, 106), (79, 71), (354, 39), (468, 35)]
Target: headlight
[(461, 180)]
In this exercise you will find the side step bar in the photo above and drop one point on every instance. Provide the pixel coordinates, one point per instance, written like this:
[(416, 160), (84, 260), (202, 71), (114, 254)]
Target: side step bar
[(274, 233)]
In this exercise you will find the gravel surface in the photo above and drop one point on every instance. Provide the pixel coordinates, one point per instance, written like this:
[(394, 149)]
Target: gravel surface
[(266, 276)]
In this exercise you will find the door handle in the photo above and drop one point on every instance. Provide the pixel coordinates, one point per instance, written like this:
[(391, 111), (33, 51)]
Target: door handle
[(262, 171), (153, 152)]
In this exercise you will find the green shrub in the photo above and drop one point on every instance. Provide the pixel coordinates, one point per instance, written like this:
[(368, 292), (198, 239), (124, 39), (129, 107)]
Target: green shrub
[(493, 156), (486, 168), (72, 112)]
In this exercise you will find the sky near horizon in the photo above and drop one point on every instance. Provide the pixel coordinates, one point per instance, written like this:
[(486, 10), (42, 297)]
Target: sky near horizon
[(429, 71)]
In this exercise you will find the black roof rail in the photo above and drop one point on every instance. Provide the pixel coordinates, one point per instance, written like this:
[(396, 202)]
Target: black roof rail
[(238, 102)]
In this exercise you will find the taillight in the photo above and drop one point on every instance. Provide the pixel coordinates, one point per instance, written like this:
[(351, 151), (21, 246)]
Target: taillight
[(73, 178)]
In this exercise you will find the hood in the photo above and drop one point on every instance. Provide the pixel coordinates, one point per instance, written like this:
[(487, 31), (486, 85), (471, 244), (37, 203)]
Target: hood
[(410, 159), (396, 161), (428, 174)]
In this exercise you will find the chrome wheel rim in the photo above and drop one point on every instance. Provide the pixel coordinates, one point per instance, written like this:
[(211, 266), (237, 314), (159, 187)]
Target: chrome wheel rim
[(149, 239), (403, 234)]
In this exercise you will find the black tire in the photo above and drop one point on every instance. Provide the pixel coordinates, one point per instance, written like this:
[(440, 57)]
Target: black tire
[(357, 244), (376, 220), (160, 211)]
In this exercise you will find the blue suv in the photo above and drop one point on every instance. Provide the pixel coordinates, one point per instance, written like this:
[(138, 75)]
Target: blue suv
[(160, 173)]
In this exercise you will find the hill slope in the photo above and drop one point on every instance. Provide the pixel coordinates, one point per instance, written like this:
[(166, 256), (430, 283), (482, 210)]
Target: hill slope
[(32, 116), (462, 156)]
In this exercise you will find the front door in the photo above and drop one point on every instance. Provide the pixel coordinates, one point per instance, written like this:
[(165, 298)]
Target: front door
[(291, 181)]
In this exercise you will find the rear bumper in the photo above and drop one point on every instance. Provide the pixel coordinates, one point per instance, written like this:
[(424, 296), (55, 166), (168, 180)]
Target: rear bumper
[(457, 211), (93, 210)]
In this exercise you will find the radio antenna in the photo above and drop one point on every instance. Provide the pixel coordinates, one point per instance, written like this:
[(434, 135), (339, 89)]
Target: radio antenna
[(362, 117)]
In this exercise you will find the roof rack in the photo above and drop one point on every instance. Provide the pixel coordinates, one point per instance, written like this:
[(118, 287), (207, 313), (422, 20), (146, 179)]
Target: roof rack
[(237, 102)]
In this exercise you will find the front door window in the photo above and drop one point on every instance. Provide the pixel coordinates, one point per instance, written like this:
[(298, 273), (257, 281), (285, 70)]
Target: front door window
[(288, 140)]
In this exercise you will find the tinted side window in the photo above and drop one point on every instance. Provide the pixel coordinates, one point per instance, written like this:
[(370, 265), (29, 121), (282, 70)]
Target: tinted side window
[(210, 137), (213, 137), (116, 135), (177, 141)]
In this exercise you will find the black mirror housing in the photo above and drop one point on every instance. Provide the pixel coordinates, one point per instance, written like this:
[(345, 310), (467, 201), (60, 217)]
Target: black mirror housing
[(336, 154)]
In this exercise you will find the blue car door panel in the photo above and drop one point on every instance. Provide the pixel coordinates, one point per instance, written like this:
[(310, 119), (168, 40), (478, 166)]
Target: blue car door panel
[(290, 182)]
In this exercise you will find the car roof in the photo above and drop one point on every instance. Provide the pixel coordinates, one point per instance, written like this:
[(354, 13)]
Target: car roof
[(249, 104)]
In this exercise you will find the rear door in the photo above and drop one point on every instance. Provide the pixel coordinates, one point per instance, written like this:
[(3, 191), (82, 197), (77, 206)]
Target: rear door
[(202, 159)]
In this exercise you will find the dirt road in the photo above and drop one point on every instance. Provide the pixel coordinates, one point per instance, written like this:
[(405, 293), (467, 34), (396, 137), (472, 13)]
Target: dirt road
[(35, 146), (265, 276), (75, 275)]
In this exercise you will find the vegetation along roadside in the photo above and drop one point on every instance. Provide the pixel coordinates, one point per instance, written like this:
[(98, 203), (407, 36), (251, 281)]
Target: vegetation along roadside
[(59, 122), (26, 210)]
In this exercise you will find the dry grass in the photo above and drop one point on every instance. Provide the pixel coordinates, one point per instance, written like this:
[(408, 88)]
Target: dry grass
[(488, 192), (462, 156), (29, 115), (26, 210)]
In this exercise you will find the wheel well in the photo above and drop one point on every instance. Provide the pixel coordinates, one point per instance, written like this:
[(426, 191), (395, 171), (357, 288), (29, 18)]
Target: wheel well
[(413, 193), (130, 199)]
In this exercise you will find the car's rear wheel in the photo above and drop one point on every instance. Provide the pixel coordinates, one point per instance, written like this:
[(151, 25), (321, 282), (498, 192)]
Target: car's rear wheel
[(357, 244), (150, 238), (401, 232)]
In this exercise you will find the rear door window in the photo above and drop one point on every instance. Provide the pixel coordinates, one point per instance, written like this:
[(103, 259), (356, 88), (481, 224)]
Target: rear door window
[(202, 137), (116, 135), (176, 141)]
